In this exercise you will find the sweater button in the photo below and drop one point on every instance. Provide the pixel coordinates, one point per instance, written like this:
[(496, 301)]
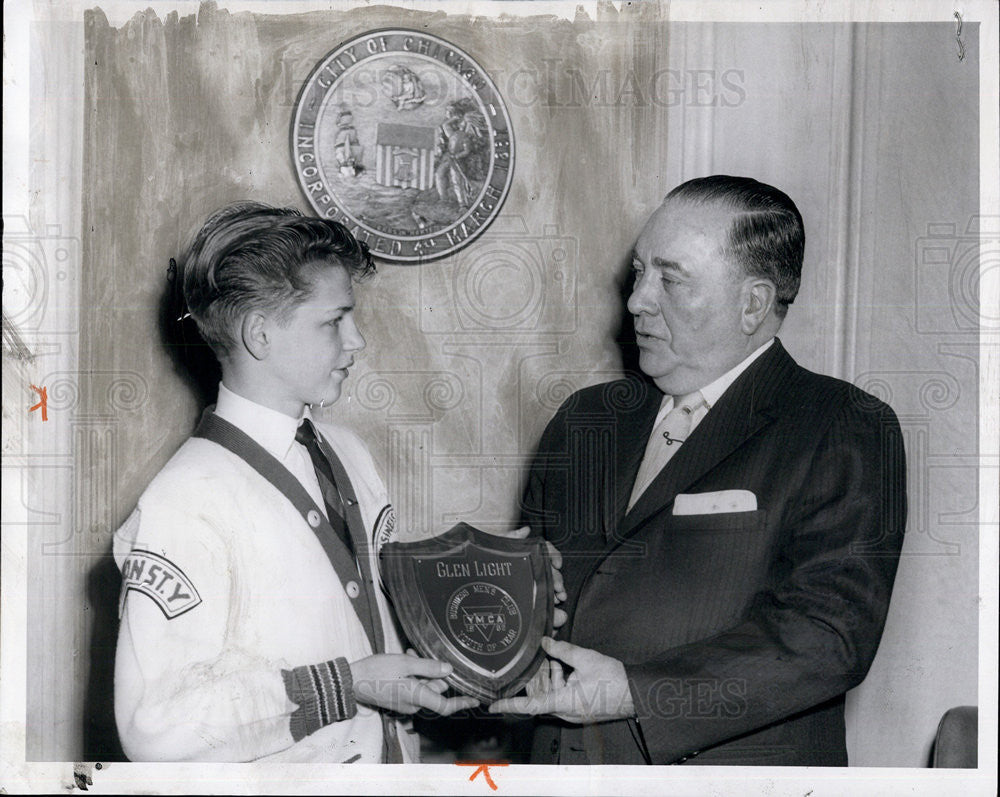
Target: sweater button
[(353, 590), (312, 518)]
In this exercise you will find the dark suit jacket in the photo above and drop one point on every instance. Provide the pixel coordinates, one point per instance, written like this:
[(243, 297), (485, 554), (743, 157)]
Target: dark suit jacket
[(740, 632)]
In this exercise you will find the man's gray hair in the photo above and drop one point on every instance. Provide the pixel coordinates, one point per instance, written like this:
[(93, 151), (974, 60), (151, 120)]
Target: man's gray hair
[(766, 239)]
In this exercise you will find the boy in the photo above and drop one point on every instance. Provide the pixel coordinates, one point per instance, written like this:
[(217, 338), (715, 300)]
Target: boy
[(251, 625)]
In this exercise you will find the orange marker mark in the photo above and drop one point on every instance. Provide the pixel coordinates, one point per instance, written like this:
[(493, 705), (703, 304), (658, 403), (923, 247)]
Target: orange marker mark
[(43, 404), (484, 767)]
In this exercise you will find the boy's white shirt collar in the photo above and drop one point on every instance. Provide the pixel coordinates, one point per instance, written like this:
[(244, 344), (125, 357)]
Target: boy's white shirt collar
[(274, 430)]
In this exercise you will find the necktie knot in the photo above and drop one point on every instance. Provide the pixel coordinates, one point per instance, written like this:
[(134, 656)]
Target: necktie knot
[(689, 403), (305, 434), (677, 423)]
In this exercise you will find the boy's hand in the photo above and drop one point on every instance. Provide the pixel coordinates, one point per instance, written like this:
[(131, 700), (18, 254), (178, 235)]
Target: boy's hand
[(405, 684), (558, 588)]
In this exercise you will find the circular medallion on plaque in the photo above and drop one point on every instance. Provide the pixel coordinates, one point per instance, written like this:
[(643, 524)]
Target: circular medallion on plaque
[(483, 618), (403, 138)]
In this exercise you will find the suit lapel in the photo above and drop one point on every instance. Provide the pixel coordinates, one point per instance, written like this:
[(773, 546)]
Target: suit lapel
[(749, 404), (632, 432)]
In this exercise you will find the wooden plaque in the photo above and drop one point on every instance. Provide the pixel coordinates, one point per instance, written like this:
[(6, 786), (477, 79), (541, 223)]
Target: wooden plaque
[(479, 601)]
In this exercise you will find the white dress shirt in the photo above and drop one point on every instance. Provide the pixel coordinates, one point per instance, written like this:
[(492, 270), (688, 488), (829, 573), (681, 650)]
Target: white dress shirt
[(712, 392), (275, 432)]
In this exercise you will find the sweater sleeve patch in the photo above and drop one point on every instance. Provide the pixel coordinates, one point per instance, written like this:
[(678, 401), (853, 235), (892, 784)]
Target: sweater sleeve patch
[(160, 580)]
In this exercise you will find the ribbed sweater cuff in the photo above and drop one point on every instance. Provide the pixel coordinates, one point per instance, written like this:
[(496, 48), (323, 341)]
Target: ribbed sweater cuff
[(324, 694)]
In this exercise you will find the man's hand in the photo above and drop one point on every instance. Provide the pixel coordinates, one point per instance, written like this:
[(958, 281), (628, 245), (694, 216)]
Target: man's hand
[(596, 691), (558, 587), (405, 684), (546, 678)]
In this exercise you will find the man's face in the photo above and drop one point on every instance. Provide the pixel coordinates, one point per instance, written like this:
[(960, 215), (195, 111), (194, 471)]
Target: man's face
[(686, 300), (311, 349)]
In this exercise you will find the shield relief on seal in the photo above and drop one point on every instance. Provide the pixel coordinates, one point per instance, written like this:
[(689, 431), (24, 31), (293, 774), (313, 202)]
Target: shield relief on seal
[(478, 601)]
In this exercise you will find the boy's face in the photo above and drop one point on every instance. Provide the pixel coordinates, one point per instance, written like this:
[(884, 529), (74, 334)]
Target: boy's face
[(310, 351)]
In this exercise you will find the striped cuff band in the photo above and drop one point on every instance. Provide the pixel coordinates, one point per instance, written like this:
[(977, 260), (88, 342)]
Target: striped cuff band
[(324, 694)]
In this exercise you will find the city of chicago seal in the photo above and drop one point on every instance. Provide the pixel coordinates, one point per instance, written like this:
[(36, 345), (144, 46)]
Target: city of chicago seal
[(403, 138)]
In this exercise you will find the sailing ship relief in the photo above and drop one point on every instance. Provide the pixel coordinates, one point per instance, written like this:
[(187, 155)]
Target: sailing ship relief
[(404, 138)]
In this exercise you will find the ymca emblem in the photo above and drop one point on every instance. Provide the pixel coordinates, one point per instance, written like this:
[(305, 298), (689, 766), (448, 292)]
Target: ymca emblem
[(484, 618)]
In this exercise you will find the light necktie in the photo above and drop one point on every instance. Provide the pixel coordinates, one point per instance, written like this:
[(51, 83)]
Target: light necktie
[(665, 440), (306, 436)]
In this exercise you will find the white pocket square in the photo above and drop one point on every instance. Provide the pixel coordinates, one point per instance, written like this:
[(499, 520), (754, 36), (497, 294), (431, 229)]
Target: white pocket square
[(715, 502)]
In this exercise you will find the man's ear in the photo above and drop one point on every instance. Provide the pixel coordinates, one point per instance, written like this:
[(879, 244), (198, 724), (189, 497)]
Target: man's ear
[(253, 330), (759, 297)]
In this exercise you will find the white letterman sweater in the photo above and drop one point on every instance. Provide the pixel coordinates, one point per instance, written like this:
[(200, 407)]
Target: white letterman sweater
[(242, 596)]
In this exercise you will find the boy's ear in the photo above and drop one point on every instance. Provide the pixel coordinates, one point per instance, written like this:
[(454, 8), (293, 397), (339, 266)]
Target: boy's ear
[(254, 333)]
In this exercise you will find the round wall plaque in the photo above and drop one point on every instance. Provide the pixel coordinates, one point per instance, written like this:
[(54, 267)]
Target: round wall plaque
[(403, 138)]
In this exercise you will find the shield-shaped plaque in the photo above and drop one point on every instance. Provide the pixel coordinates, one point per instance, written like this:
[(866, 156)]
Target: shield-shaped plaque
[(479, 601)]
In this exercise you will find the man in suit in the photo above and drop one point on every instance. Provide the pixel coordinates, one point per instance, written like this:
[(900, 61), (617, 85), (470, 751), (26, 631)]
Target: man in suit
[(730, 526)]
